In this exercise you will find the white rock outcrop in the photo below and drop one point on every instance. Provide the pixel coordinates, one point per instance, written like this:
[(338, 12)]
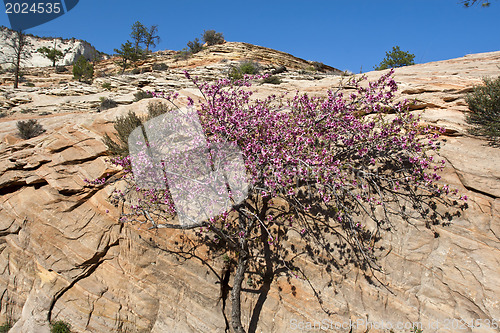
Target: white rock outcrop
[(71, 48)]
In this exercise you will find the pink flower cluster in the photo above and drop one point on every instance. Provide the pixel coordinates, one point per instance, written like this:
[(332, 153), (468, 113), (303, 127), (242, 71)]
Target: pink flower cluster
[(338, 143)]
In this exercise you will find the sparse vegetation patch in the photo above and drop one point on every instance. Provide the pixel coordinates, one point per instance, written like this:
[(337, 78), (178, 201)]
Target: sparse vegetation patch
[(29, 129), (107, 103), (484, 104), (60, 327)]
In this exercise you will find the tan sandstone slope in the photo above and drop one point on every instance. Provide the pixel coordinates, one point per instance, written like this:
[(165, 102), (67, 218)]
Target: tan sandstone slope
[(65, 256)]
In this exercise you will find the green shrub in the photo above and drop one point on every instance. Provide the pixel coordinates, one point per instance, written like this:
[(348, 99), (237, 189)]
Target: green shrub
[(156, 109), (317, 66), (160, 66), (272, 79), (107, 103), (141, 95), (395, 59), (183, 54), (60, 327), (124, 125), (29, 129), (484, 104), (234, 73), (136, 71), (83, 70), (212, 38), (106, 85), (194, 46), (249, 67), (246, 67)]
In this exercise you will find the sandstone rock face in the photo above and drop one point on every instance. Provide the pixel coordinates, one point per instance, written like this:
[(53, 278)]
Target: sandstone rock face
[(222, 56), (238, 51), (64, 255)]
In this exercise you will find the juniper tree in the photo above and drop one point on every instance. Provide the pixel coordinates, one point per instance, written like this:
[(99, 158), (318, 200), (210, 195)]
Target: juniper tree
[(51, 53), (128, 54), (396, 58), (83, 70)]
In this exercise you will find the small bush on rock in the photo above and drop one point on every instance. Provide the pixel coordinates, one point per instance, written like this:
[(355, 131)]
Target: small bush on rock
[(246, 67), (107, 103), (183, 54), (29, 129), (124, 125), (141, 95), (249, 67), (234, 73), (106, 85), (83, 70), (195, 46), (484, 103), (60, 327), (272, 79), (156, 109), (212, 38), (316, 65)]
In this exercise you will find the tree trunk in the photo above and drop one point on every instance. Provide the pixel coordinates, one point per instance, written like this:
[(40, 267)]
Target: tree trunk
[(239, 276), (18, 47), (17, 69)]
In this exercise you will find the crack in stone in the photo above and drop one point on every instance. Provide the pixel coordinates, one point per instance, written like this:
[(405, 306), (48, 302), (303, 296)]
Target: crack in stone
[(89, 266)]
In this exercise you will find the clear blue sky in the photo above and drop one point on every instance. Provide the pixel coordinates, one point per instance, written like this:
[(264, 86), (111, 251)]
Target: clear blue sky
[(344, 34)]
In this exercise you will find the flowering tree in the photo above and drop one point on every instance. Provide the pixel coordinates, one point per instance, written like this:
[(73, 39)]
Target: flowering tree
[(326, 176)]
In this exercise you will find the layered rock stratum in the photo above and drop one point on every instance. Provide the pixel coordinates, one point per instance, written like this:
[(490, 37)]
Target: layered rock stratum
[(65, 255)]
